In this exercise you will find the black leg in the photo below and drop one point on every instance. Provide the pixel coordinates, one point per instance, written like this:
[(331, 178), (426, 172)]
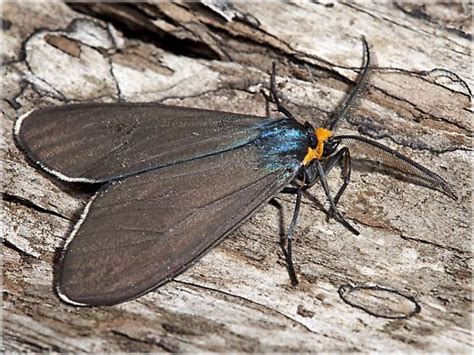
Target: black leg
[(281, 224), (332, 205), (345, 173), (267, 103), (311, 177), (343, 157), (289, 238), (332, 161), (290, 190), (286, 240), (273, 91)]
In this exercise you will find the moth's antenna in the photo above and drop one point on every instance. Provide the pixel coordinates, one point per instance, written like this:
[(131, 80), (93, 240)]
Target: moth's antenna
[(353, 99)]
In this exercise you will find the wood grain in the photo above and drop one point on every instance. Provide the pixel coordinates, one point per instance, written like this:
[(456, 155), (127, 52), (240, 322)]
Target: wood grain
[(238, 297)]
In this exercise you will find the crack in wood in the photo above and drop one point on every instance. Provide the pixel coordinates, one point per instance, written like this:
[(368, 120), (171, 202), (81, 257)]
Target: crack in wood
[(249, 301), (371, 132), (418, 13), (428, 242), (27, 203), (135, 23), (152, 342), (8, 244), (432, 116), (382, 18), (24, 345)]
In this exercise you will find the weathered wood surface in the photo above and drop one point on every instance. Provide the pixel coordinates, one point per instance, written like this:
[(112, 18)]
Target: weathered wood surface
[(238, 297)]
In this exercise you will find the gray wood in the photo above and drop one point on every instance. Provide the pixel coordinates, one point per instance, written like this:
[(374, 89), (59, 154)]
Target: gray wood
[(238, 297)]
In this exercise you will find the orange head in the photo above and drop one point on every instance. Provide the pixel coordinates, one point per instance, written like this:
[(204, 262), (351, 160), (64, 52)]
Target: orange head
[(322, 135)]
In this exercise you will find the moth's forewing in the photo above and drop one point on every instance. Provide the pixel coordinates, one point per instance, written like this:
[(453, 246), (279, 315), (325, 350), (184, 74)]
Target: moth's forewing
[(99, 142)]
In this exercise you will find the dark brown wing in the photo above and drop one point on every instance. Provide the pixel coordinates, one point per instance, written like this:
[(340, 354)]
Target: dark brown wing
[(141, 231), (101, 142)]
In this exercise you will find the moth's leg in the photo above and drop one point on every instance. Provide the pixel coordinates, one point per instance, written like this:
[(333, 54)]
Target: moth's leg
[(273, 91), (311, 177), (345, 173), (332, 205), (286, 241), (267, 102), (290, 190), (342, 157), (281, 224), (289, 238), (299, 182)]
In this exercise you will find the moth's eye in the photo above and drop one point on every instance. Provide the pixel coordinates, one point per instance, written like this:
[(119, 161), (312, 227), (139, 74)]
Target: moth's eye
[(330, 147), (311, 134), (313, 140)]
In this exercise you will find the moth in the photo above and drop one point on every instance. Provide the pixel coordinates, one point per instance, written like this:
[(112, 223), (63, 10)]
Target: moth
[(174, 181)]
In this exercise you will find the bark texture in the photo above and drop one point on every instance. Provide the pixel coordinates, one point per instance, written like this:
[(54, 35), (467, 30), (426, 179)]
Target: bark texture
[(414, 242)]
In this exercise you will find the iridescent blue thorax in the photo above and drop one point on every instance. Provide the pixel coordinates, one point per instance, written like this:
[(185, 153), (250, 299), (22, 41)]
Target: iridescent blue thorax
[(284, 144)]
